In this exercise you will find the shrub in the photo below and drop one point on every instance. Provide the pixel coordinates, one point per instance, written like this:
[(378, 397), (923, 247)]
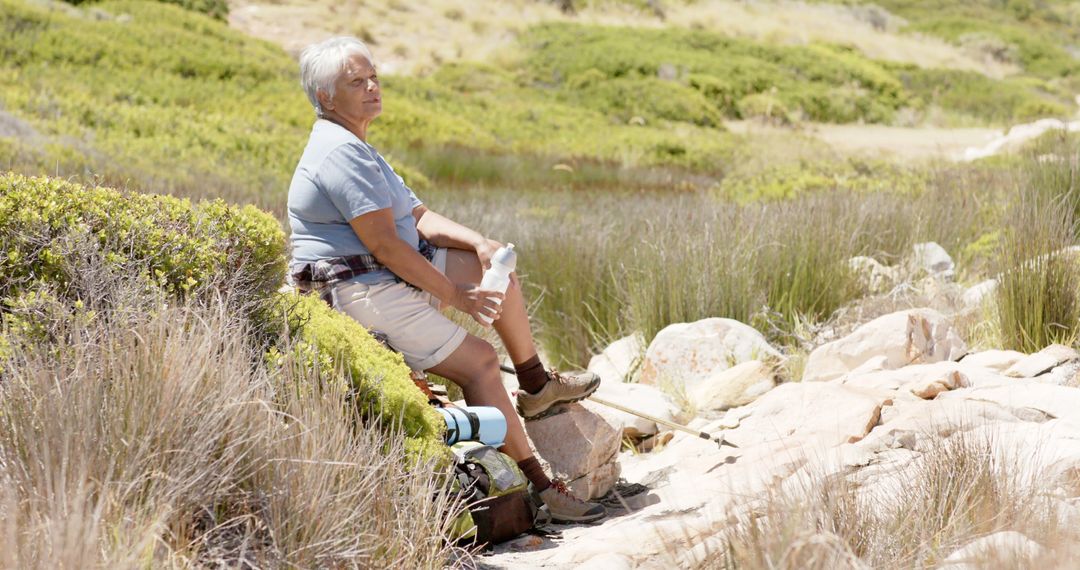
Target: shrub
[(722, 68), (854, 175), (336, 347), (971, 94), (217, 9), (168, 241), (649, 98), (152, 439), (766, 107)]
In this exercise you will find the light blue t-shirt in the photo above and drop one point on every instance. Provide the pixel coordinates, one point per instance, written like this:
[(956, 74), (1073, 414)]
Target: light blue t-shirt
[(339, 178)]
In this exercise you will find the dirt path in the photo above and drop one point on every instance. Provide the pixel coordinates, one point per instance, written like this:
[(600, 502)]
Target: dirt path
[(880, 141)]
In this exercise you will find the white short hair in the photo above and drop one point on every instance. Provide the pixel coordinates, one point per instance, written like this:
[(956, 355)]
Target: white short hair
[(322, 63)]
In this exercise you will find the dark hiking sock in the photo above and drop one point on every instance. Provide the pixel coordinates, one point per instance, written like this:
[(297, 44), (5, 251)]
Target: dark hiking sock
[(534, 473), (531, 375)]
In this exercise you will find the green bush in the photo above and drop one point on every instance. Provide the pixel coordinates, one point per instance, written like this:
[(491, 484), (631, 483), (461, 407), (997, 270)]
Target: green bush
[(723, 69), (971, 94), (766, 107), (339, 347), (790, 181), (649, 98), (217, 9), (169, 241)]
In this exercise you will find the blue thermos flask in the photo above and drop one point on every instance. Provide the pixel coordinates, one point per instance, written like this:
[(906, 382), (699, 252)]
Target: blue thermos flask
[(485, 424)]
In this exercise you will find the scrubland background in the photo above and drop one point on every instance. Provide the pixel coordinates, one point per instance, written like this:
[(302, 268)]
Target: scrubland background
[(655, 162)]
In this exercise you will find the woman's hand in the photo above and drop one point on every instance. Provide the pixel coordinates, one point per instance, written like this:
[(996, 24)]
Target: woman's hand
[(485, 250), (474, 301)]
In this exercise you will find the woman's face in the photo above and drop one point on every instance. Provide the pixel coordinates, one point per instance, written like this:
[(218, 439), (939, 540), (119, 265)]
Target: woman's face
[(357, 97)]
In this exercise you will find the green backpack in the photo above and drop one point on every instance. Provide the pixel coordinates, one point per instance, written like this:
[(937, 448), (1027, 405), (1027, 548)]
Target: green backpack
[(500, 504)]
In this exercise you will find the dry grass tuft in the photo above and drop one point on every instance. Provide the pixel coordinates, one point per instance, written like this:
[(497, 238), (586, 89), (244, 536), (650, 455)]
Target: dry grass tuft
[(158, 439), (960, 489)]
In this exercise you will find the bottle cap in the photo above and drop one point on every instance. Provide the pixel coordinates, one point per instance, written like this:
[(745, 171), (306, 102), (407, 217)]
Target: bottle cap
[(506, 256)]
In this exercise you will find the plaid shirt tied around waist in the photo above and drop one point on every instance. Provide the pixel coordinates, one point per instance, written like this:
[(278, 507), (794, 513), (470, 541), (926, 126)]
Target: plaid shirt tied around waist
[(319, 276)]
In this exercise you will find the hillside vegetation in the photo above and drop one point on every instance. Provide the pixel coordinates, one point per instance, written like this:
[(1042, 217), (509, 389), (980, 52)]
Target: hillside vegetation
[(102, 94)]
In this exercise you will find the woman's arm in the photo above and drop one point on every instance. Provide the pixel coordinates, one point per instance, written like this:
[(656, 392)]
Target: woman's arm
[(379, 235), (444, 232)]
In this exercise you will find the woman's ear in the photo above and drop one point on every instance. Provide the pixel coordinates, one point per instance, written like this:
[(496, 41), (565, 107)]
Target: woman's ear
[(325, 102)]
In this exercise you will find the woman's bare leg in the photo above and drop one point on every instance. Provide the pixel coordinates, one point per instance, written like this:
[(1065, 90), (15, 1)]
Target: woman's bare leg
[(513, 325), (475, 367)]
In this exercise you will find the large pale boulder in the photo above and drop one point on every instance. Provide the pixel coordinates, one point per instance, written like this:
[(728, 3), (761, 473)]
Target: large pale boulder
[(999, 360), (647, 399), (829, 413), (620, 360), (581, 447), (735, 386), (895, 340), (685, 354), (923, 381), (1042, 361), (933, 259), (1055, 401), (974, 296)]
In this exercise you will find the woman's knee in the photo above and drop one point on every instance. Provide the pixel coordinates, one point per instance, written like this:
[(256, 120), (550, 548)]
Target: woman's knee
[(473, 364)]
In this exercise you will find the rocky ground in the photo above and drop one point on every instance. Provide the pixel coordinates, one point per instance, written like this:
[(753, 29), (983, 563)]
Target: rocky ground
[(868, 408)]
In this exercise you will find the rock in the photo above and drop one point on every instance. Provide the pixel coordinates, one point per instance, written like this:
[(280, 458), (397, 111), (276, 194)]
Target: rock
[(1000, 549), (912, 379), (828, 412), (933, 259), (1050, 400), (581, 447), (929, 388), (735, 386), (620, 360), (1018, 135), (1042, 361), (667, 72), (640, 397), (1067, 374), (999, 360), (974, 296), (873, 276), (608, 561), (685, 354), (907, 337)]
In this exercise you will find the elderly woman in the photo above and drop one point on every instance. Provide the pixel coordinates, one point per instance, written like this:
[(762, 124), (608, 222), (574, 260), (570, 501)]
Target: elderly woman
[(363, 238)]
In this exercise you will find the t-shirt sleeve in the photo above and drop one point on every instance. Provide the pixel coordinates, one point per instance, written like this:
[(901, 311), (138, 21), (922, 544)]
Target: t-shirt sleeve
[(353, 181), (413, 200)]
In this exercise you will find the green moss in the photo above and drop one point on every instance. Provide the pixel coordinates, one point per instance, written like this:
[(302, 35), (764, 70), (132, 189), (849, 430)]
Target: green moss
[(340, 348)]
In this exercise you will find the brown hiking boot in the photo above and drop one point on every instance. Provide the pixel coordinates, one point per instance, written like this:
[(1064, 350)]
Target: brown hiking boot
[(560, 389), (566, 508)]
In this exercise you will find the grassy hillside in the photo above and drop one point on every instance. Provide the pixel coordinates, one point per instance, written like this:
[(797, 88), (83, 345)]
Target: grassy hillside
[(104, 94)]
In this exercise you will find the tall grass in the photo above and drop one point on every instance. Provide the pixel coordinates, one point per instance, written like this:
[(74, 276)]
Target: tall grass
[(1038, 299), (157, 439), (601, 264)]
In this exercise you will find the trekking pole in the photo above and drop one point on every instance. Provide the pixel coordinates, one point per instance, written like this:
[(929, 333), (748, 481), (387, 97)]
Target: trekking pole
[(720, 441)]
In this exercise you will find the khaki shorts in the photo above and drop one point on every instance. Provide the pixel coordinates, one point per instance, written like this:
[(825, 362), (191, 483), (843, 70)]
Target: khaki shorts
[(407, 315)]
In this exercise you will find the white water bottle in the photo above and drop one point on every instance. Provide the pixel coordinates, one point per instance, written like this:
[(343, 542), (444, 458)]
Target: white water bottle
[(497, 277)]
